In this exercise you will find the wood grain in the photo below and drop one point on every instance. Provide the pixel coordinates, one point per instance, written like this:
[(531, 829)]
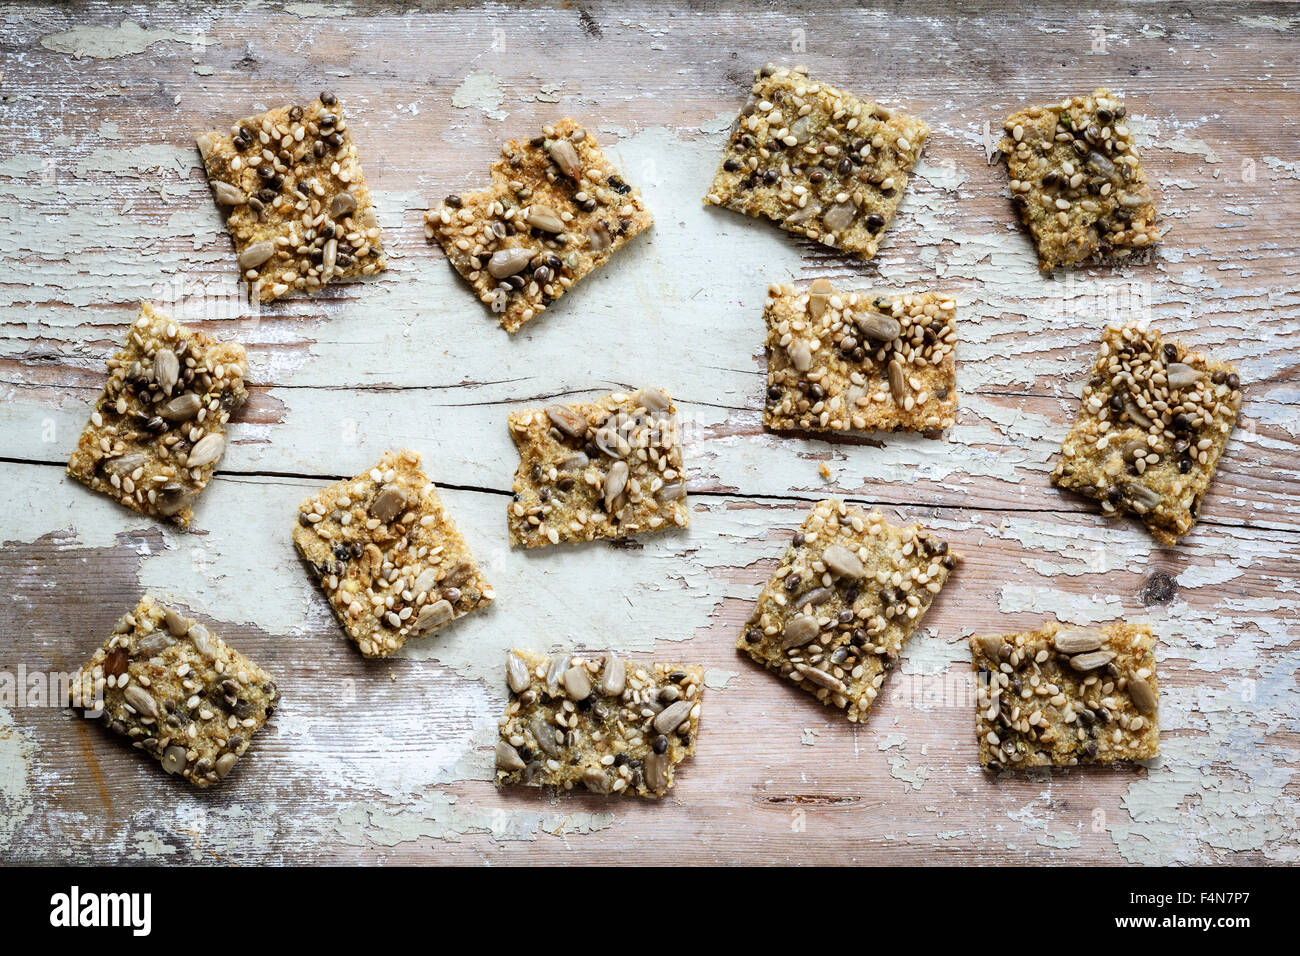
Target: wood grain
[(103, 203)]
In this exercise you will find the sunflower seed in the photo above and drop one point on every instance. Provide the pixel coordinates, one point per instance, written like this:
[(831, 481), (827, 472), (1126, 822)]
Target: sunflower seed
[(800, 216), (567, 420), (799, 631), (202, 640), (166, 369), (517, 675), (878, 326), (1141, 496), (425, 582), (1077, 640), (1091, 661), (800, 355), (565, 156), (329, 259), (507, 758), (656, 767), (544, 218), (672, 491), (598, 237), (597, 781), (225, 764), (1144, 698), (615, 482), (989, 645), (822, 679), (256, 254), (614, 681), (577, 682), (207, 450), (176, 623), (672, 716), (897, 381), (1136, 415), (611, 443), (815, 597), (651, 399), (141, 700), (1181, 376), (389, 503), (228, 195), (842, 562), (181, 408), (506, 262), (819, 294), (434, 615)]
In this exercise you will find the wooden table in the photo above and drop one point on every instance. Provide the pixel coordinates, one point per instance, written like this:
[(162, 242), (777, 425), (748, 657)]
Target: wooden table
[(103, 204)]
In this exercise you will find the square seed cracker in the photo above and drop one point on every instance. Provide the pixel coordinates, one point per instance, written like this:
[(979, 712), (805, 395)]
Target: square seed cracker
[(388, 556), (859, 362), (818, 161), (849, 592), (556, 210), (295, 199), (157, 433)]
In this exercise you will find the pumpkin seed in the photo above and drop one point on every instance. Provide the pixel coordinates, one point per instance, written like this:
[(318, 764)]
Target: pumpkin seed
[(839, 217), (343, 205), (544, 734), (389, 503), (173, 759)]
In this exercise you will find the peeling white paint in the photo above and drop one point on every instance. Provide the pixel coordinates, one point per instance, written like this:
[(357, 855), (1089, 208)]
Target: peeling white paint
[(125, 39)]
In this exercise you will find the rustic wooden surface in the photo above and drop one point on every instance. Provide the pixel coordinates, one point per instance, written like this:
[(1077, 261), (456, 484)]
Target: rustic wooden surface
[(102, 204)]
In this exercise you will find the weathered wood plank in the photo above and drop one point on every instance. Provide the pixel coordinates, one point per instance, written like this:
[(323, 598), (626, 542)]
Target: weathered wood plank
[(102, 203)]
